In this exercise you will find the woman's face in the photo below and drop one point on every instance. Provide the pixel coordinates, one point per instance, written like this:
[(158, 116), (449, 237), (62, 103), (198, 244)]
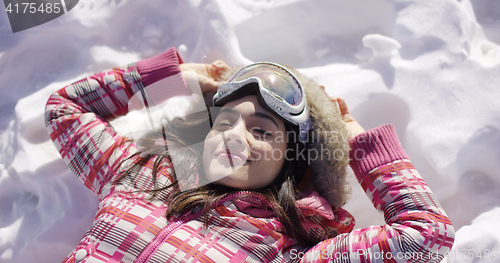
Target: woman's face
[(246, 147)]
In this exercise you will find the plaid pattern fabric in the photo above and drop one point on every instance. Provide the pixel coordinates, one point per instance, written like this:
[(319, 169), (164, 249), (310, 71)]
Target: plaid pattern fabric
[(131, 227), (417, 228), (76, 121)]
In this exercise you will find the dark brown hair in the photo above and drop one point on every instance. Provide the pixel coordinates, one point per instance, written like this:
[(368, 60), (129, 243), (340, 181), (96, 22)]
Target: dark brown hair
[(329, 174), (182, 134)]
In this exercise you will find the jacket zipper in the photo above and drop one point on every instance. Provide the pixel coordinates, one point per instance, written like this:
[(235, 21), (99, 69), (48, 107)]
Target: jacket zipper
[(162, 236), (233, 195), (169, 230)]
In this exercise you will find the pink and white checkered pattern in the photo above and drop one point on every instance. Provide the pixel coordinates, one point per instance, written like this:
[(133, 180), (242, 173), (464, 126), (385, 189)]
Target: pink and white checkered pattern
[(131, 227)]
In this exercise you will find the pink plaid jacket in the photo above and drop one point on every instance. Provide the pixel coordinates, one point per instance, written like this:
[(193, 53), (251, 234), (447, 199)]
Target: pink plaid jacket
[(130, 227)]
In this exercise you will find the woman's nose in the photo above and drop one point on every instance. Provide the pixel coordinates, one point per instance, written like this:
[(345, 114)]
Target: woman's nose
[(236, 137), (232, 141)]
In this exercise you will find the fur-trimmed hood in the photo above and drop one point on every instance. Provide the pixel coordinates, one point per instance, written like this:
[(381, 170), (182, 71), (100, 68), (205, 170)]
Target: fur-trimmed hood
[(327, 136), (326, 173)]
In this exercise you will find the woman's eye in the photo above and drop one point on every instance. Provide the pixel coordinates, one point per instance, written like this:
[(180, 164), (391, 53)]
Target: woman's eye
[(261, 132), (222, 126)]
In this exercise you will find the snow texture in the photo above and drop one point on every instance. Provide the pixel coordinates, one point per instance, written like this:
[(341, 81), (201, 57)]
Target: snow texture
[(430, 67)]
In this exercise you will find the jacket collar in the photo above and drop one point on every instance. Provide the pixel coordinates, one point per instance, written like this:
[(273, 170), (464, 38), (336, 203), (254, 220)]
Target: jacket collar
[(315, 209)]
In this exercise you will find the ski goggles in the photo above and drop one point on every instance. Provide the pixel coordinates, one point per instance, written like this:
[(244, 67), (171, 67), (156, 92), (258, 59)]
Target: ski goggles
[(277, 88)]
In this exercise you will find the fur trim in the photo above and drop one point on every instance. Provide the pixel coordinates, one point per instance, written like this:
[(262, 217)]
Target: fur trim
[(328, 138)]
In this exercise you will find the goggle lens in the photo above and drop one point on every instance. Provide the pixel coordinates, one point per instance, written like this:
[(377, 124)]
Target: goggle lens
[(275, 80)]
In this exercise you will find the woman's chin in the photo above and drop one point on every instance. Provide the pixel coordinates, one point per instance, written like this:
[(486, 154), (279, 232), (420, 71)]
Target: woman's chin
[(230, 181), (226, 176)]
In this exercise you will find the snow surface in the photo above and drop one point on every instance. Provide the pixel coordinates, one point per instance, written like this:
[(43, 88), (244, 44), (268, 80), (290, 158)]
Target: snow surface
[(430, 67)]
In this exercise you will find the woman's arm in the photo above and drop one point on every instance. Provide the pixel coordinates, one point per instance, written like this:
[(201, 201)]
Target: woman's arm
[(77, 115), (417, 229)]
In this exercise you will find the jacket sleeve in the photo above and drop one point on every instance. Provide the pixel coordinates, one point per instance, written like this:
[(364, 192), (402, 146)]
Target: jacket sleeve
[(77, 115), (417, 229)]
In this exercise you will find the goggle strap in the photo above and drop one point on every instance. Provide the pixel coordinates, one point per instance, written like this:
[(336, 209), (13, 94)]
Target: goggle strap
[(303, 129)]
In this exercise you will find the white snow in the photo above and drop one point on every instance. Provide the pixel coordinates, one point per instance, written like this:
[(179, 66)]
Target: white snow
[(430, 67)]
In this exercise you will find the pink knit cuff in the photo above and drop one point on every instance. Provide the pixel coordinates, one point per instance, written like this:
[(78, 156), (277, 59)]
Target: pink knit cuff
[(163, 66), (373, 148)]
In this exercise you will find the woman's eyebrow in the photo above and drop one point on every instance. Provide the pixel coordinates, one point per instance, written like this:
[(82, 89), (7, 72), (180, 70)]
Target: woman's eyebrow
[(255, 114), (265, 116)]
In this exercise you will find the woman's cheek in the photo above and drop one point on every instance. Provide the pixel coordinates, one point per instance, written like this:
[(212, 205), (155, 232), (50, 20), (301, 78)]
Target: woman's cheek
[(270, 153), (209, 146), (259, 152), (212, 140)]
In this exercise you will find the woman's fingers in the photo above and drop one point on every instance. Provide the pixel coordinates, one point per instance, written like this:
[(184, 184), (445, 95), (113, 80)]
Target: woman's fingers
[(340, 103), (220, 64), (218, 69), (344, 111), (343, 107), (353, 127)]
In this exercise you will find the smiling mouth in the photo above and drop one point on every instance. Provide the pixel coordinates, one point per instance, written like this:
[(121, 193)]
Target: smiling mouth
[(231, 157)]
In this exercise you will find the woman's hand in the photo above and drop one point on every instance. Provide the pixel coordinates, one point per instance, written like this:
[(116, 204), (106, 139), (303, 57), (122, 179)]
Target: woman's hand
[(207, 75), (353, 127)]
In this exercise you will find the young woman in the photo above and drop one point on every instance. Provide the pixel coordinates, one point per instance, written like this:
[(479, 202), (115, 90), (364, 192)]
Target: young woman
[(264, 182)]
